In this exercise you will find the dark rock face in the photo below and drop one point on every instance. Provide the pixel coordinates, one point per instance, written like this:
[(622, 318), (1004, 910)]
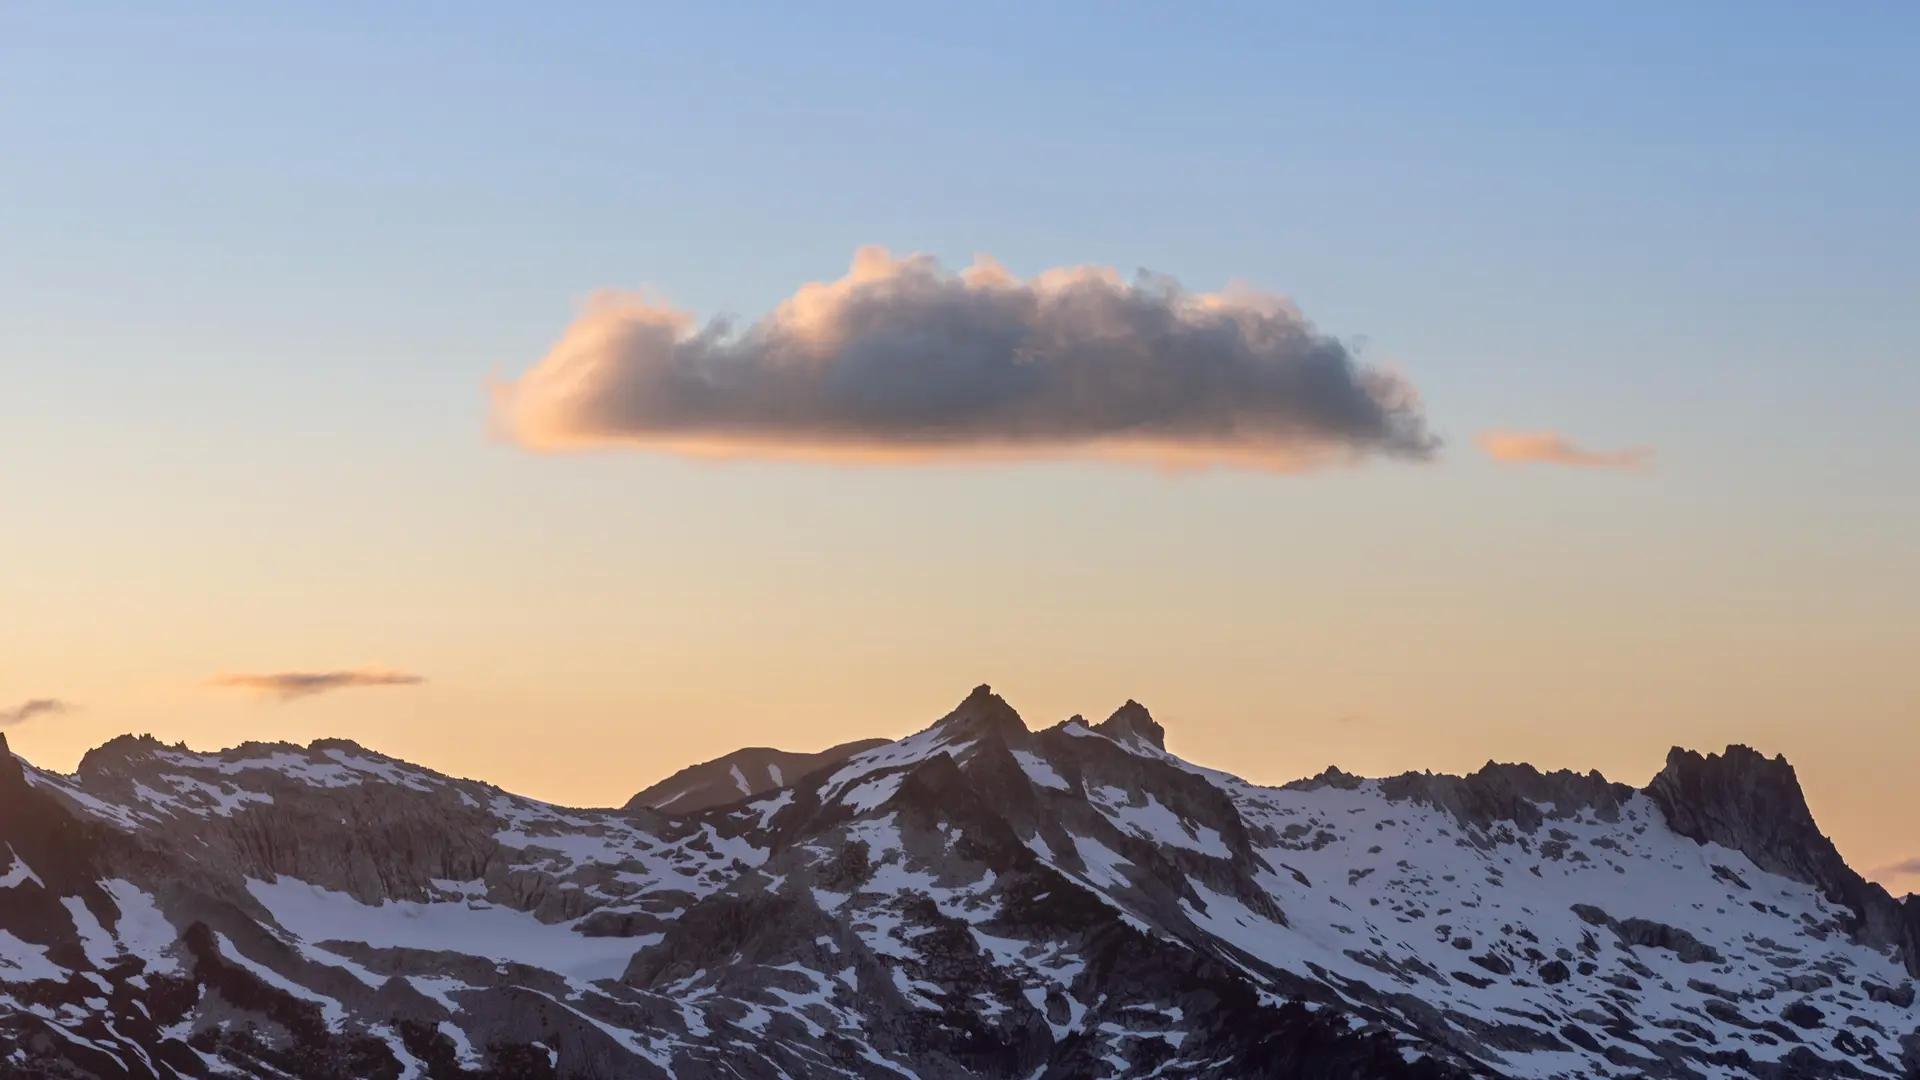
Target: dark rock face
[(974, 900)]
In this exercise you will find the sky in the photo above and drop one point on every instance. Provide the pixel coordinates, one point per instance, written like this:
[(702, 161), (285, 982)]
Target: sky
[(357, 383)]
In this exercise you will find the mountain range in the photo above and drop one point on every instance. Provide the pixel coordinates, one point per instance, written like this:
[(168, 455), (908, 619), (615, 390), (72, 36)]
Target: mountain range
[(976, 899)]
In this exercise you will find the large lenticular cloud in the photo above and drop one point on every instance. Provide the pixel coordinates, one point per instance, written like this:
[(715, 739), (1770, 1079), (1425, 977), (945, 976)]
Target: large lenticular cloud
[(902, 360)]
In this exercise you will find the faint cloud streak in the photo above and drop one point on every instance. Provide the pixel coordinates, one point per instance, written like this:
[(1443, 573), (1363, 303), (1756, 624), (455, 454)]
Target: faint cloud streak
[(27, 710), (1553, 448), (1903, 868), (292, 685), (902, 360)]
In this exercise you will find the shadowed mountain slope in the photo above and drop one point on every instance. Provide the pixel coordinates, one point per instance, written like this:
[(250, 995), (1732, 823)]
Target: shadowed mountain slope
[(975, 899), (742, 774)]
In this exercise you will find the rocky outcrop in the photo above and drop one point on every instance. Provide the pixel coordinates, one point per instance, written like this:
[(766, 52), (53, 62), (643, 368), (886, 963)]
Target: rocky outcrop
[(1743, 800), (1651, 933), (1519, 794)]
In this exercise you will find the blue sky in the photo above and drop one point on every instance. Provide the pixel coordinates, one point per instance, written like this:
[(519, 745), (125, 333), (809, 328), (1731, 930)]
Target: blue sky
[(1695, 200), (257, 266)]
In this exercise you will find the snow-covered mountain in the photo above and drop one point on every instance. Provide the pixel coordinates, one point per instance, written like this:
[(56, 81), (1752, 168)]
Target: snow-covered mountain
[(976, 899)]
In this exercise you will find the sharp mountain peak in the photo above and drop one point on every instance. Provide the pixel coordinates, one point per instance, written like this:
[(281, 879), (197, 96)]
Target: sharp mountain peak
[(1133, 721)]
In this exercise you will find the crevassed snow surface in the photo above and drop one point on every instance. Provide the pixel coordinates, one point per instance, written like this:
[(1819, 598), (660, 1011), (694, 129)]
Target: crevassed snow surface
[(23, 961), (871, 793), (1152, 820), (1040, 771), (94, 939), (142, 930), (475, 927)]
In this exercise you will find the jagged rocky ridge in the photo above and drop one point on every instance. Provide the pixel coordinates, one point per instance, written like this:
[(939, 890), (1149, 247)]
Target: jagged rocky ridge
[(976, 899)]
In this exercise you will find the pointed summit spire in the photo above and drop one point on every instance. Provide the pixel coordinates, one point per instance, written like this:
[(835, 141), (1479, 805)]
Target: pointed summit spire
[(984, 712), (1133, 721)]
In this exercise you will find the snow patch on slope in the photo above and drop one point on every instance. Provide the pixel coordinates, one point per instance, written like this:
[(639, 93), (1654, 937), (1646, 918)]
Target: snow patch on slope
[(475, 928)]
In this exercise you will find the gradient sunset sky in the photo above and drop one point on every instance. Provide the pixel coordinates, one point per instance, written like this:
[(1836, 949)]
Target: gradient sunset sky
[(285, 296)]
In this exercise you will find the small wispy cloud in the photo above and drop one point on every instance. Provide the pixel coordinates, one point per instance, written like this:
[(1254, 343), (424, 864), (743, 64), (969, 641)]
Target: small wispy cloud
[(1905, 868), (1553, 448), (27, 710), (290, 685), (902, 360)]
